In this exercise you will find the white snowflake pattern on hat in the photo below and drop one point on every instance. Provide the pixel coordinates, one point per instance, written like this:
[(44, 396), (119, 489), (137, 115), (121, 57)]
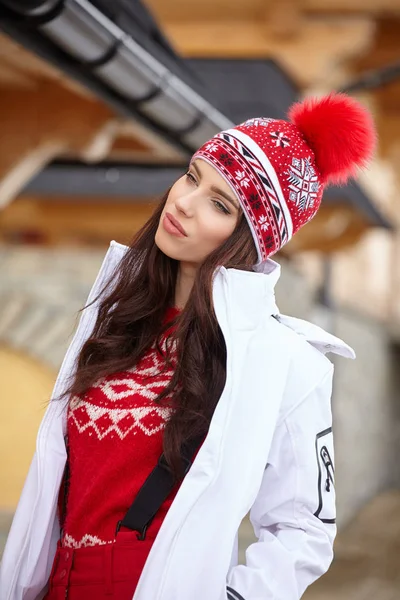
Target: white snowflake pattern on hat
[(280, 139), (263, 122), (303, 183), (263, 222), (242, 179), (212, 147)]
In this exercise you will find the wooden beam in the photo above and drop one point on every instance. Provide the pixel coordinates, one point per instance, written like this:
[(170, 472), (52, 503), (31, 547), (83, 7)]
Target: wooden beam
[(321, 44), (370, 7), (181, 10), (40, 125), (333, 228), (134, 149), (62, 222), (283, 18), (125, 143), (14, 78), (26, 66), (150, 145), (388, 125), (50, 121), (385, 47)]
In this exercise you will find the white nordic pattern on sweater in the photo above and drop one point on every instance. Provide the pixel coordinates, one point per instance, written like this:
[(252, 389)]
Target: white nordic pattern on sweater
[(123, 403), (86, 541)]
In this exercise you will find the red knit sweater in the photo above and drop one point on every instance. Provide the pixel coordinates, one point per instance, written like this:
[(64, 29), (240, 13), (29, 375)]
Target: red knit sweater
[(115, 437)]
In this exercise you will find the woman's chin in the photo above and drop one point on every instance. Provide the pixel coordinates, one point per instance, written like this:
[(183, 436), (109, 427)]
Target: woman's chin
[(167, 246)]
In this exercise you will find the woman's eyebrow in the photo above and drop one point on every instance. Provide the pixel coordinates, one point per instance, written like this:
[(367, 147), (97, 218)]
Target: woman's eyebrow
[(215, 189), (224, 195)]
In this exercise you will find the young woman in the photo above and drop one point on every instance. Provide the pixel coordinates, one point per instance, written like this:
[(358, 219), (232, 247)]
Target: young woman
[(186, 399)]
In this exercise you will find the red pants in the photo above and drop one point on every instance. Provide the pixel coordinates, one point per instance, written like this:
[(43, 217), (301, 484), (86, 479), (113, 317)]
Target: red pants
[(109, 572)]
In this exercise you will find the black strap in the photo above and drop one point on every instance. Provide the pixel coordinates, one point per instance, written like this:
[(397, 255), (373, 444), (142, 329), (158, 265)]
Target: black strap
[(155, 490), (63, 507)]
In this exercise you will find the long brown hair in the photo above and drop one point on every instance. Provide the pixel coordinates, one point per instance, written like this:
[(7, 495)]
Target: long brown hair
[(130, 320)]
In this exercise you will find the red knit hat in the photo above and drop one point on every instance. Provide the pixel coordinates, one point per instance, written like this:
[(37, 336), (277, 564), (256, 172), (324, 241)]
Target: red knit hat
[(278, 169)]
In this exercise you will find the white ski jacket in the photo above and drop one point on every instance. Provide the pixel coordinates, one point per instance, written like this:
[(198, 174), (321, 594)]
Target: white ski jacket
[(269, 450)]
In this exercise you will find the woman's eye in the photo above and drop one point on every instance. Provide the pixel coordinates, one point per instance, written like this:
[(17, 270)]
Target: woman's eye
[(221, 207), (190, 177), (218, 204)]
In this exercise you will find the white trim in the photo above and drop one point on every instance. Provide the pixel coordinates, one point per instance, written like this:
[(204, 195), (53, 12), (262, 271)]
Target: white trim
[(264, 160), (201, 156)]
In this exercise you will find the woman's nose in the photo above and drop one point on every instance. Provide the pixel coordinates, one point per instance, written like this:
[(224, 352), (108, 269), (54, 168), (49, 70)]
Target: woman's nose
[(184, 204)]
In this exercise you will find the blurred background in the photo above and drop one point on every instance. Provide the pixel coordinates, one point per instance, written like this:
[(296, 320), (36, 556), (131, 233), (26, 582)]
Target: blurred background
[(102, 104)]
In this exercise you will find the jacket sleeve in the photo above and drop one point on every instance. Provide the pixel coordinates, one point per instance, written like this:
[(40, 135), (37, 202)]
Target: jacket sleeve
[(294, 513)]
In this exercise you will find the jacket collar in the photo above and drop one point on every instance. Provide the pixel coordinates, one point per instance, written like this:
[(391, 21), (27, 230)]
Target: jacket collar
[(244, 299), (269, 267), (249, 296)]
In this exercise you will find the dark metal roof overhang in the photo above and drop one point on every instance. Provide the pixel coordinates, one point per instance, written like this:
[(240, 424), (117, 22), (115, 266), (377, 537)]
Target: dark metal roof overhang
[(133, 72), (132, 183)]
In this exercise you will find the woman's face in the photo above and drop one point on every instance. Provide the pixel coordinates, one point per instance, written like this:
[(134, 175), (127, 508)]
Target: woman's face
[(205, 207)]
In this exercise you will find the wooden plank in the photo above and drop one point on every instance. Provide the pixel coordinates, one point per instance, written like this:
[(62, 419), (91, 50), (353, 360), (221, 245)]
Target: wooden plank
[(11, 77), (375, 7), (135, 139), (16, 58), (51, 121), (319, 46), (333, 228), (83, 221), (385, 48), (183, 11), (39, 125)]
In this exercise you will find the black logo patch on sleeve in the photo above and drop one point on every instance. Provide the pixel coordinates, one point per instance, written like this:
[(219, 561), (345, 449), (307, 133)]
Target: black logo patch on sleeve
[(326, 510)]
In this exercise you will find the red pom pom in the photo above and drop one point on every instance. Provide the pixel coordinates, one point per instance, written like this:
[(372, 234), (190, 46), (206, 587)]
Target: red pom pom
[(339, 130)]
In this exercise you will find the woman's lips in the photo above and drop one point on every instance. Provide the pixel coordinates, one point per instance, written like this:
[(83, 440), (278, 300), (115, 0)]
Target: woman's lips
[(170, 226)]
